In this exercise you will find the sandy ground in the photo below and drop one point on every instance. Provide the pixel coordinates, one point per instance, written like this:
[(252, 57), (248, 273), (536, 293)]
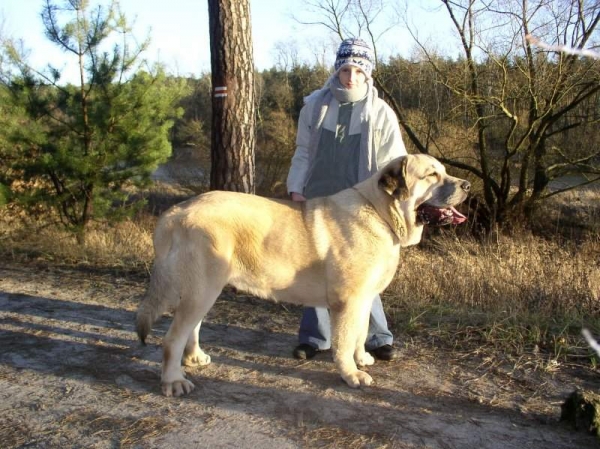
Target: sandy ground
[(72, 374)]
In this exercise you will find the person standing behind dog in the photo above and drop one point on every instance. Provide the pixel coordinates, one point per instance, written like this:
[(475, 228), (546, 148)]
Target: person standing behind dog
[(345, 134)]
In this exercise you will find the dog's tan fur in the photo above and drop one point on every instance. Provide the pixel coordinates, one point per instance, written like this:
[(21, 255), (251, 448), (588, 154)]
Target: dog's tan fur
[(337, 251)]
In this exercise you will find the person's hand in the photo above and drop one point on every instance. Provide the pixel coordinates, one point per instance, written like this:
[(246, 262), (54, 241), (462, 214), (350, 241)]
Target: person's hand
[(297, 197)]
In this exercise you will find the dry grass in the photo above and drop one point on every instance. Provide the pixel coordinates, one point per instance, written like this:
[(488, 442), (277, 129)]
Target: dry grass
[(517, 295), (130, 432), (126, 245), (524, 274)]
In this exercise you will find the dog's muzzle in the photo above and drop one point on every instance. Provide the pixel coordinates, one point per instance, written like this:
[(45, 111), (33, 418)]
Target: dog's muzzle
[(441, 216)]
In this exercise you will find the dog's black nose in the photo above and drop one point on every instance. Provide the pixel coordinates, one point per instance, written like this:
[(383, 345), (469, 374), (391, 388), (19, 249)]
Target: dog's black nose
[(466, 186)]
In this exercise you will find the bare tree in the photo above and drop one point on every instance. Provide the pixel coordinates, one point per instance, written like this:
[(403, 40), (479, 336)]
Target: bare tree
[(233, 118), (522, 102)]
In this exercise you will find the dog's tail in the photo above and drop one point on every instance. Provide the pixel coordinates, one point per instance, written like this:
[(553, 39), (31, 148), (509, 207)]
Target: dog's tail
[(162, 291), (151, 307)]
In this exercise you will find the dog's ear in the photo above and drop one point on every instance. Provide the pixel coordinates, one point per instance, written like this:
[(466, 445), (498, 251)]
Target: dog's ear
[(393, 179)]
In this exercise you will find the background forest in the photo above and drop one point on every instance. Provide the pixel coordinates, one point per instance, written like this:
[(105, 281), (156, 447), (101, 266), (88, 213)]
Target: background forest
[(519, 119)]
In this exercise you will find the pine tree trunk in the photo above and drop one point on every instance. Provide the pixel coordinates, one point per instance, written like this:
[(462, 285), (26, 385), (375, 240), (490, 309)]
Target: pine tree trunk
[(233, 118)]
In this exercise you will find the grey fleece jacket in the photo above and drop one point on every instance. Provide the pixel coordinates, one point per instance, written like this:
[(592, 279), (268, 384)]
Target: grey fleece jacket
[(387, 140)]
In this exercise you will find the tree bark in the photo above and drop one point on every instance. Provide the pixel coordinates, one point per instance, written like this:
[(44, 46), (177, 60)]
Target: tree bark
[(233, 118)]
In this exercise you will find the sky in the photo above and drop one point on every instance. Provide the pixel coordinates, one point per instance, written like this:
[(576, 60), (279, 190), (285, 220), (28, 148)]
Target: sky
[(180, 37)]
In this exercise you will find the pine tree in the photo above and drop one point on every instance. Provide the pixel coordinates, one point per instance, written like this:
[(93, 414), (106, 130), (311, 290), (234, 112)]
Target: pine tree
[(72, 147)]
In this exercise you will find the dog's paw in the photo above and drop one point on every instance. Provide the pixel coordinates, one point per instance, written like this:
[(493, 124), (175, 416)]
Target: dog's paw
[(197, 358), (177, 388), (364, 359), (357, 379)]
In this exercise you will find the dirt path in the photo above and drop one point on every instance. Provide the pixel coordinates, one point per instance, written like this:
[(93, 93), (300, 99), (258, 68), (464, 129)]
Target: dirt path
[(72, 374)]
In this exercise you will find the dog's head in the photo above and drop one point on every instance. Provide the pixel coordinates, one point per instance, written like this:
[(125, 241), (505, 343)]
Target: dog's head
[(426, 194)]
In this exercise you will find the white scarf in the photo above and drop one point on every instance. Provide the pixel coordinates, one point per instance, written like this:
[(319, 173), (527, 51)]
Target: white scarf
[(322, 98)]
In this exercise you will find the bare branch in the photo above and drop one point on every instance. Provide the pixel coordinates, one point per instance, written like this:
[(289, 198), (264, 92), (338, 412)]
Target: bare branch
[(333, 13)]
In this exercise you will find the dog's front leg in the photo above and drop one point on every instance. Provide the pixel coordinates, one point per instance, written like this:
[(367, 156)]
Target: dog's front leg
[(346, 329), (361, 356)]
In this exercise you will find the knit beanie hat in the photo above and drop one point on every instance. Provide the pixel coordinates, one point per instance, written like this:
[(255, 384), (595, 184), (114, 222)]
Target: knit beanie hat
[(356, 52)]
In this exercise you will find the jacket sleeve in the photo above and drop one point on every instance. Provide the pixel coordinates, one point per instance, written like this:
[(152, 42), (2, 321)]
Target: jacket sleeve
[(298, 173), (391, 144)]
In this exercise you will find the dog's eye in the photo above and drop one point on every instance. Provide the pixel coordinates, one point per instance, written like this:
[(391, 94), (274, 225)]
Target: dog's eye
[(433, 174)]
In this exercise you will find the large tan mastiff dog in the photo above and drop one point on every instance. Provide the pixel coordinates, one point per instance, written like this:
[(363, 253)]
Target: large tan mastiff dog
[(337, 251)]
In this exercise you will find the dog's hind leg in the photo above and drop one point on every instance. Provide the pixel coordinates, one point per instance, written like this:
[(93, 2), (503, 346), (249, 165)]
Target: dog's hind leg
[(193, 355), (188, 316)]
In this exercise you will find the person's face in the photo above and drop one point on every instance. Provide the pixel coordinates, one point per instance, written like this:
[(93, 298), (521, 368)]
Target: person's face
[(352, 77)]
